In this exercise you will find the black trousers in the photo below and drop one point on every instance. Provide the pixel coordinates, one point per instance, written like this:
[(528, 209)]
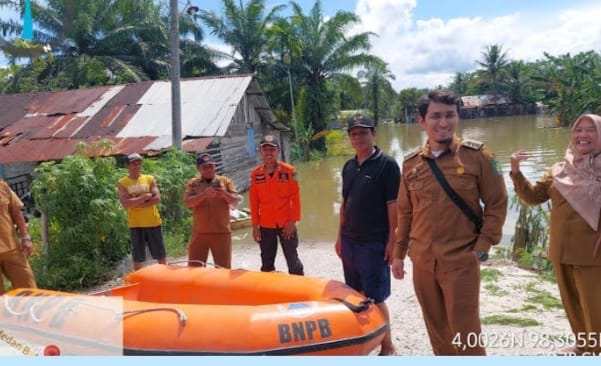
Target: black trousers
[(269, 249)]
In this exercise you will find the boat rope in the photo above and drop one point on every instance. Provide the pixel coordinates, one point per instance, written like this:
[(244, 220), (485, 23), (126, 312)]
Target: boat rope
[(362, 306), (203, 263), (181, 315)]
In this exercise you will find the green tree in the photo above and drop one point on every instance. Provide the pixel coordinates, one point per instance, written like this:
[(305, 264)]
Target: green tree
[(376, 79), (570, 84), (348, 92), (407, 103), (460, 83), (325, 50), (245, 28), (494, 60), (99, 42), (517, 83)]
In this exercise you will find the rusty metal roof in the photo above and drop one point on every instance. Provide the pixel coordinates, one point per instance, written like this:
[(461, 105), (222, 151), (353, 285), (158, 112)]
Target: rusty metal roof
[(479, 101), (134, 118)]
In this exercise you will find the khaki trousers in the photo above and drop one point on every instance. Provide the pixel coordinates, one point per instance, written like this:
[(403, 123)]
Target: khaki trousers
[(450, 302), (580, 291), (220, 246), (15, 267)]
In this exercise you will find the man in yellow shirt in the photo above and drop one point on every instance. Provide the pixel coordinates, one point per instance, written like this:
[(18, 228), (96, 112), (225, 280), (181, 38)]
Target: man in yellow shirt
[(14, 252), (139, 195)]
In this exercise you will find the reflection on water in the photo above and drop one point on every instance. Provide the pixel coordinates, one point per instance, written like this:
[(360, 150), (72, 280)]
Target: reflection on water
[(321, 185)]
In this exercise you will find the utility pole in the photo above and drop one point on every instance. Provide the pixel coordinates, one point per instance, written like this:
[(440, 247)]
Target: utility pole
[(176, 102)]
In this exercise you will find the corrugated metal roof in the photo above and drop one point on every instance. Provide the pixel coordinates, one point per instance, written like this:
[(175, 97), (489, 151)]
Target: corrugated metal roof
[(208, 106), (479, 101), (135, 117)]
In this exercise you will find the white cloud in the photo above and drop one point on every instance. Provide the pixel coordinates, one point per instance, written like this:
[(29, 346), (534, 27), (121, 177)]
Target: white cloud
[(427, 52)]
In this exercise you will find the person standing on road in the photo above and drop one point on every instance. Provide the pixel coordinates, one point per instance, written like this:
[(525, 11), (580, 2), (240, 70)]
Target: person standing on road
[(443, 226), (140, 196), (368, 218), (275, 208)]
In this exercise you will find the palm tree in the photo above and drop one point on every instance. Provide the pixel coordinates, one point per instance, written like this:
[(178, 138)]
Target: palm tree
[(98, 42), (348, 91), (95, 42), (493, 63), (244, 27), (518, 84), (196, 59), (324, 52), (375, 79), (460, 83), (407, 103)]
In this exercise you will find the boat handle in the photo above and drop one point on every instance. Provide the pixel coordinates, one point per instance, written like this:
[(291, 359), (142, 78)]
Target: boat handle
[(194, 261), (362, 306), (8, 308), (181, 315)]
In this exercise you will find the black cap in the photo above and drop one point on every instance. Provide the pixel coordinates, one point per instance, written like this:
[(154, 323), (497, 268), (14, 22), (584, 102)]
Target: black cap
[(202, 159), (269, 140), (360, 120)]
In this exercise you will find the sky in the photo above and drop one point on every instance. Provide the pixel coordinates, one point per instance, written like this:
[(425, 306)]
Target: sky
[(426, 42)]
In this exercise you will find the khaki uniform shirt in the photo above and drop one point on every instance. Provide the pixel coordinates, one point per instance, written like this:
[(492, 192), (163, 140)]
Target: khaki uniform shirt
[(572, 240), (211, 216), (432, 228), (8, 201)]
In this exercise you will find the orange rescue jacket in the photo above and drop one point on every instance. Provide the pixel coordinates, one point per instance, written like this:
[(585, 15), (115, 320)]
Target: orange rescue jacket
[(274, 199)]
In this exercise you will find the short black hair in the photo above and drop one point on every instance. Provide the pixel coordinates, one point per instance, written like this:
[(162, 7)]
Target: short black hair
[(437, 96)]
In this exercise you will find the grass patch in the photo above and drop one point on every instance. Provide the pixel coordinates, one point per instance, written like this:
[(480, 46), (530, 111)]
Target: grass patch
[(490, 274), (495, 290), (542, 297), (510, 320), (547, 300), (524, 309)]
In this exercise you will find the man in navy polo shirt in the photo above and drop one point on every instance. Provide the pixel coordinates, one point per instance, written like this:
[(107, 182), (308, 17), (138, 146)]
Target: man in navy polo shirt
[(368, 218)]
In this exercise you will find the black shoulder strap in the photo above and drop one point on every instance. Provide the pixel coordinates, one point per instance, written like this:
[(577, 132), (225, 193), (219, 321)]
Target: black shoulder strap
[(454, 196)]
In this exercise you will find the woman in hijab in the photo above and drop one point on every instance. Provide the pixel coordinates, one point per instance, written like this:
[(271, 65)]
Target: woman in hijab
[(574, 188)]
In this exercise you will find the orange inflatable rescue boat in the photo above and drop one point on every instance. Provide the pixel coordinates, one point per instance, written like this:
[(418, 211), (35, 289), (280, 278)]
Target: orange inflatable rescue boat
[(171, 310)]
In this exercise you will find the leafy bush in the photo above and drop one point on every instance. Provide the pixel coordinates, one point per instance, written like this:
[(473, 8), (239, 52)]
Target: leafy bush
[(87, 227), (88, 230)]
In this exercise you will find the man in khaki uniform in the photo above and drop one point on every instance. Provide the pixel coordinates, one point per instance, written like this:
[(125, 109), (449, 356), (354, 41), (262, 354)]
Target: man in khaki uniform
[(445, 246), (209, 196), (14, 252)]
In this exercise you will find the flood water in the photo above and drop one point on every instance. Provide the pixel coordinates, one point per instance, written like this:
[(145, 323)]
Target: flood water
[(321, 183)]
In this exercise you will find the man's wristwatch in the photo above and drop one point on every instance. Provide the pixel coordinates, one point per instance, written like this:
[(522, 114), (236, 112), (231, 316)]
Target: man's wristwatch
[(482, 256)]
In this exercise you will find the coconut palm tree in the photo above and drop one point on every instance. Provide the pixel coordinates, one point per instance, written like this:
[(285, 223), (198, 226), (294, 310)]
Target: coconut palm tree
[(493, 62), (245, 28)]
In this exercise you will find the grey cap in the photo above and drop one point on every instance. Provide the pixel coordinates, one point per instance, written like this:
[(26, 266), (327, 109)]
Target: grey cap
[(133, 157)]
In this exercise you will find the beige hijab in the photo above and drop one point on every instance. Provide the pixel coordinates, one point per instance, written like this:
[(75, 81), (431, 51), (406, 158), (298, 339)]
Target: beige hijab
[(578, 178)]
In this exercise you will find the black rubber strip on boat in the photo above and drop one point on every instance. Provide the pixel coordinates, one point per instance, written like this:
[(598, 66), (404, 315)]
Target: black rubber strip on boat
[(275, 352)]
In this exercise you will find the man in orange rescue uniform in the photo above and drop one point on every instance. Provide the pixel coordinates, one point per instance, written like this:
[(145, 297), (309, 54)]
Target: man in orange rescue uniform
[(275, 208)]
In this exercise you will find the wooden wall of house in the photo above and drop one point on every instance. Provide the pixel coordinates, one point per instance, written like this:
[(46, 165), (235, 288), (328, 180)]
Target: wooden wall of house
[(236, 162)]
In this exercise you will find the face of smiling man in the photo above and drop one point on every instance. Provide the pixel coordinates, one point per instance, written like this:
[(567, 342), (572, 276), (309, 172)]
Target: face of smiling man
[(440, 123)]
